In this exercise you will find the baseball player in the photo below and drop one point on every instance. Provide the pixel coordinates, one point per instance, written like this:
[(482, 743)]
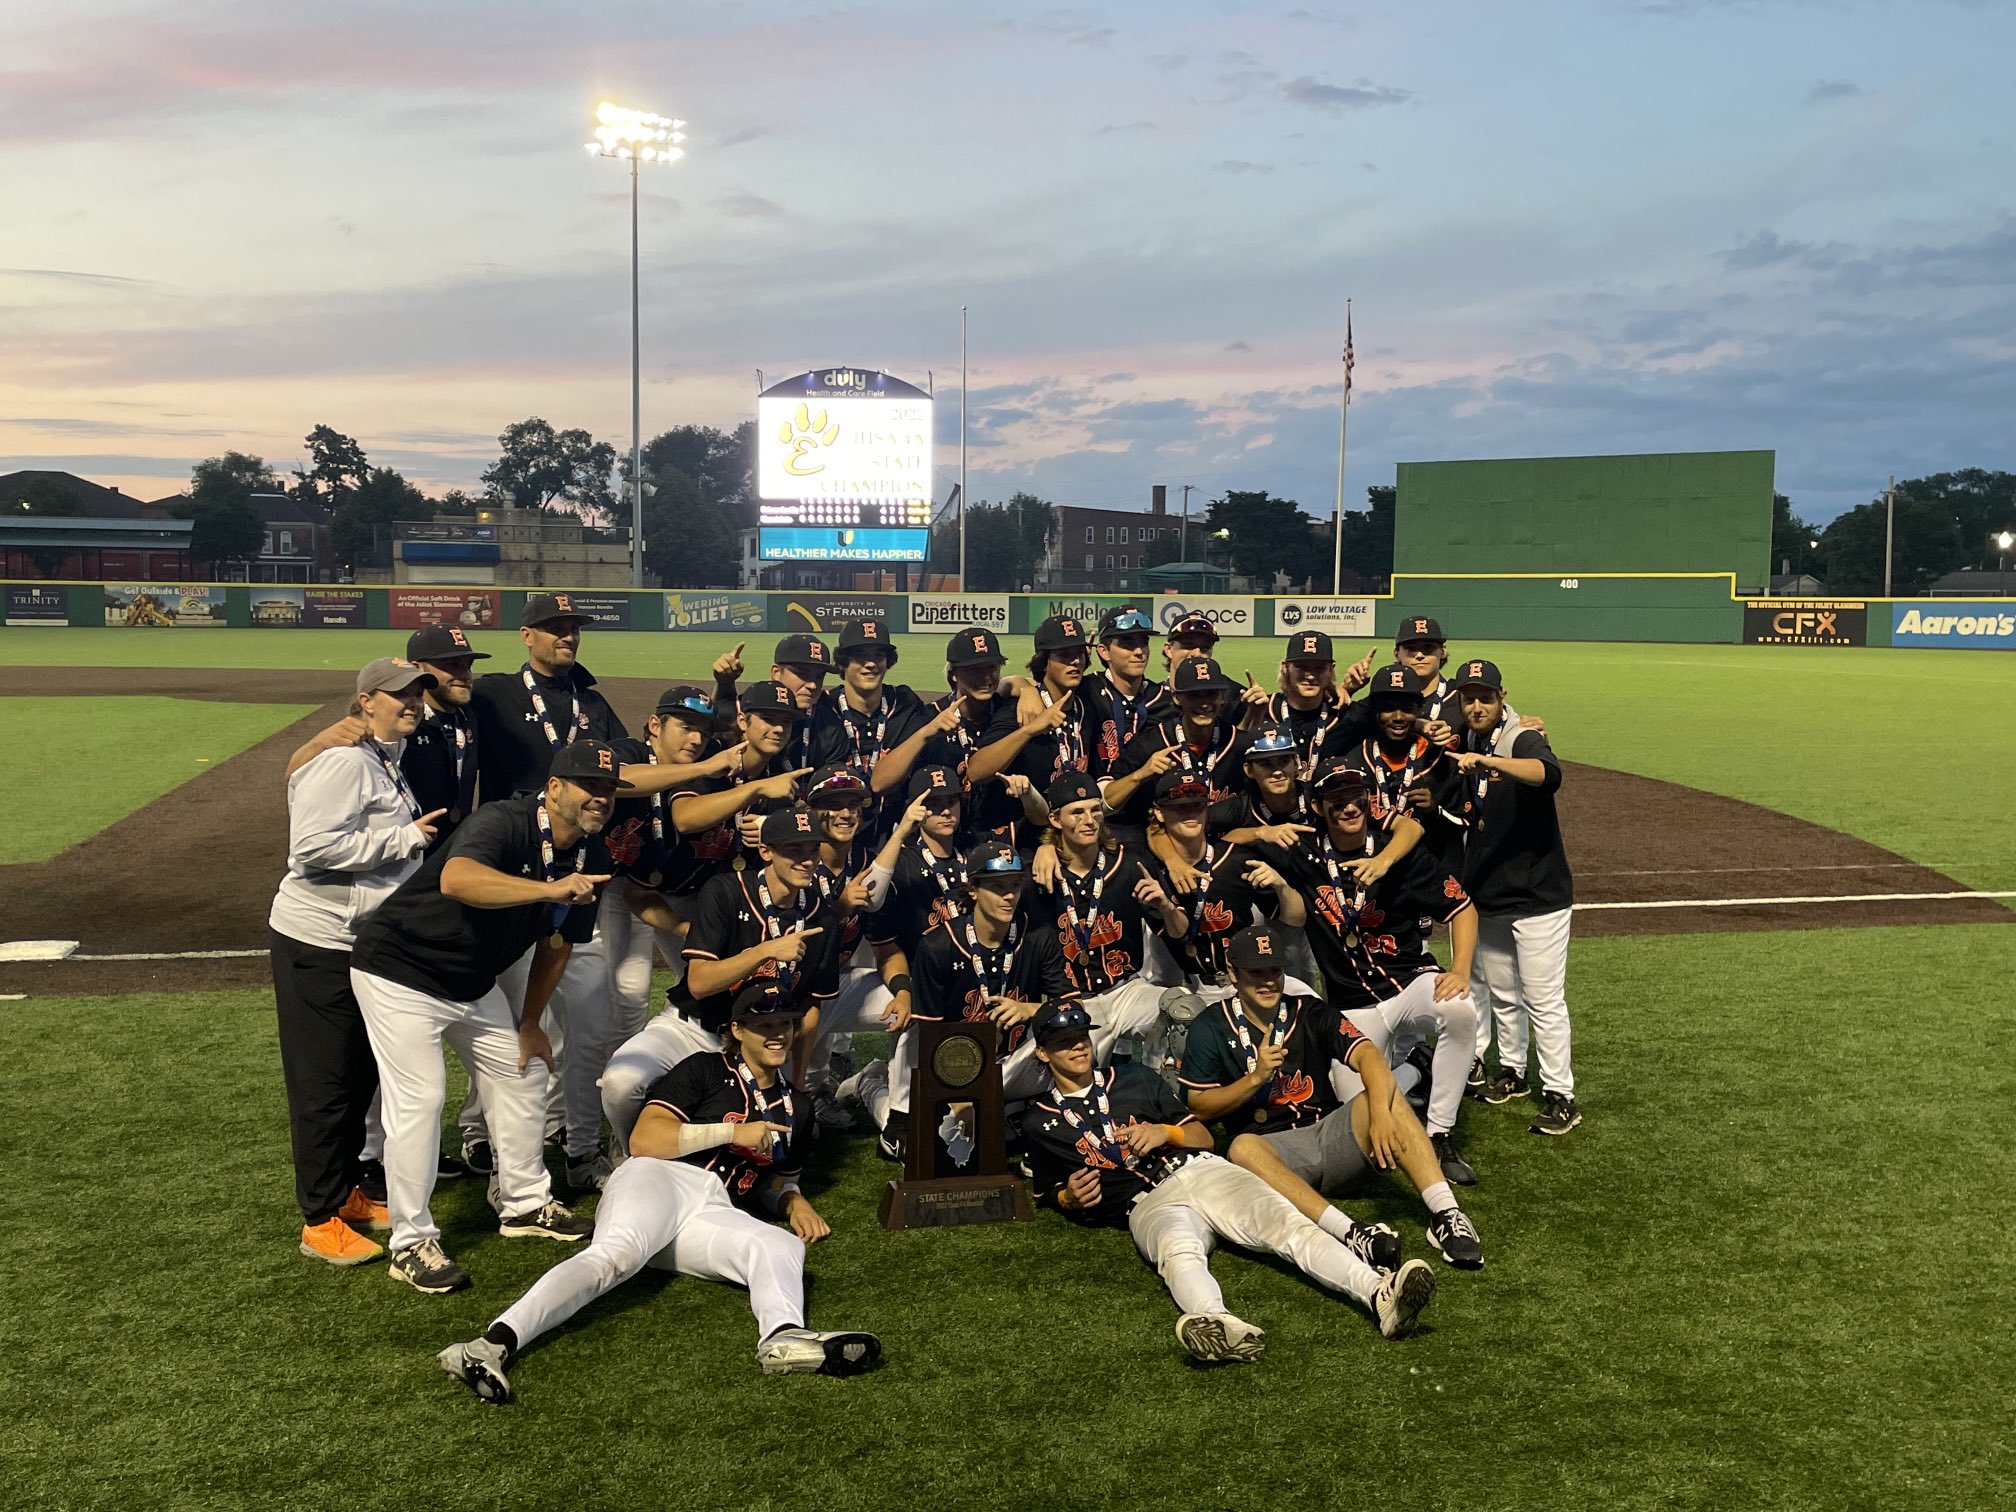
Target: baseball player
[(1232, 887), (1202, 739), (852, 887), (524, 718), (721, 812), (1420, 647), (1192, 635), (1119, 1147), (1314, 704), (800, 664), (948, 732), (1121, 692), (1263, 1060), (355, 832), (1061, 738), (1516, 870), (763, 923), (1409, 773), (1368, 916), (720, 1141), (521, 876), (851, 727)]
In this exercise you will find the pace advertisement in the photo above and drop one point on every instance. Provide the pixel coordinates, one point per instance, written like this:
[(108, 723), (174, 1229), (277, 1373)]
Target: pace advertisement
[(715, 611), (1347, 617), (955, 611), (1983, 624), (1806, 622), (1230, 616)]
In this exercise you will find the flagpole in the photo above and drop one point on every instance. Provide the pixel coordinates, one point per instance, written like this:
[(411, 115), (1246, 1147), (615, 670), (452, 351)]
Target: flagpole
[(962, 449), (1343, 418)]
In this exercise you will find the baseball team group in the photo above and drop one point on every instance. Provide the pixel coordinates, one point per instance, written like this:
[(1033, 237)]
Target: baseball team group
[(1197, 910)]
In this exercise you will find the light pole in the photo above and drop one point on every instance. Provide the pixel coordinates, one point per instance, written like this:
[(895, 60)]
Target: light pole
[(2004, 539), (1183, 531), (638, 137)]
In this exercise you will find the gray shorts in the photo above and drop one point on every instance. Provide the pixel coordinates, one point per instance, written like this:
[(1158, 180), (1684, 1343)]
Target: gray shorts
[(1325, 1154)]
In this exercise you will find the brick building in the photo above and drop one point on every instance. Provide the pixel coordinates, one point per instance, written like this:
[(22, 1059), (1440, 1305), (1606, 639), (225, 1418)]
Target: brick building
[(1096, 547)]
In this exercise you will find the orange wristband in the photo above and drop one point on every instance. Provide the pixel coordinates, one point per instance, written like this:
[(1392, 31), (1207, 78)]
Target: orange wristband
[(1175, 1133)]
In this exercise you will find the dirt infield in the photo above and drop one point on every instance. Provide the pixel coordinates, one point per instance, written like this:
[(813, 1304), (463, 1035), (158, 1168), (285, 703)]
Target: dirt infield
[(1631, 839)]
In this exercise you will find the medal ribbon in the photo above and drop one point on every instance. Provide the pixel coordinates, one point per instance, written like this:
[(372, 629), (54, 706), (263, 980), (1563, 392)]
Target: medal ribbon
[(774, 919), (1360, 891), (549, 867), (865, 731), (459, 725), (1105, 1133), (398, 778), (1081, 928), (1277, 1035), (1128, 709), (1002, 961), (766, 1111), (1070, 738), (1488, 744), (580, 725)]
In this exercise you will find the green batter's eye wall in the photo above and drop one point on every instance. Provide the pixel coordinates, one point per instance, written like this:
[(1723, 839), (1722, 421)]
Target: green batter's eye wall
[(1677, 512)]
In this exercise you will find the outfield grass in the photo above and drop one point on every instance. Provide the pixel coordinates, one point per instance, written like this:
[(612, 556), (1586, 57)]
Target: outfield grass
[(79, 764), (1816, 733), (1767, 1272)]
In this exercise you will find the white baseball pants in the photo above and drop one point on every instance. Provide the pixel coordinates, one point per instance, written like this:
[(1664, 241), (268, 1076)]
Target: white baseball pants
[(630, 944), (1520, 974), (647, 1055), (1177, 1224), (407, 1029), (857, 1009), (677, 1217), (1406, 1020)]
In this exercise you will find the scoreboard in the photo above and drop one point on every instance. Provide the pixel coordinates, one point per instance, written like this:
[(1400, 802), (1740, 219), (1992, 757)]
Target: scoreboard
[(843, 468)]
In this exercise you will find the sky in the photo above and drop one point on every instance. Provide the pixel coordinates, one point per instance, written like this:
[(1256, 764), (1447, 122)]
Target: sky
[(1565, 228)]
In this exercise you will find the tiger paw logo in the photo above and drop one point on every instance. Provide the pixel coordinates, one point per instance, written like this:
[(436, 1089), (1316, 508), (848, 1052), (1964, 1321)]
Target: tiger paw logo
[(1118, 965), (626, 841), (1291, 1091), (1217, 918), (1451, 888), (1090, 1154), (807, 433)]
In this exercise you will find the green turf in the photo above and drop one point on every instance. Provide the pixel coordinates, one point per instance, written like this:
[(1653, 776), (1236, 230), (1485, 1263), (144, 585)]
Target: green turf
[(1767, 1272), (1808, 732), (79, 764)]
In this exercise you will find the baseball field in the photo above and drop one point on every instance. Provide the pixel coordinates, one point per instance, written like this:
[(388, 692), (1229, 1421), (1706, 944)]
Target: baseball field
[(1769, 1270)]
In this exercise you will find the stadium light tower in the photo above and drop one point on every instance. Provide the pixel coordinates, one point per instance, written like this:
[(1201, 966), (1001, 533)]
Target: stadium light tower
[(638, 137)]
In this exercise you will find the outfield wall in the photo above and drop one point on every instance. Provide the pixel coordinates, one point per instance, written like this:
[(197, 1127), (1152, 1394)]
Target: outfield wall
[(1678, 607)]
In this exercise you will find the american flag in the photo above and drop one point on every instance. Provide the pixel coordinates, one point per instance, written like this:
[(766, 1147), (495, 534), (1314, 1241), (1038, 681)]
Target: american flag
[(1348, 360)]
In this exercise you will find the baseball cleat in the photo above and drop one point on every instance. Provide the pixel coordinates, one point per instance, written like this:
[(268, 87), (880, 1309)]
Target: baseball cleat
[(800, 1351), (335, 1241), (426, 1268), (1476, 1083), (1454, 1167), (371, 1179), (362, 1212), (889, 1146), (1401, 1296), (830, 1113), (553, 1221), (1505, 1086), (1558, 1114), (1422, 1059), (479, 1365), (1455, 1240), (589, 1175), (1220, 1338), (479, 1158), (1377, 1244), (448, 1168)]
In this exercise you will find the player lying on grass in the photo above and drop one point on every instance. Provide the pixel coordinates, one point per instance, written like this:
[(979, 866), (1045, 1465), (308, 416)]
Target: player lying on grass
[(1261, 1061), (1117, 1147), (721, 1139)]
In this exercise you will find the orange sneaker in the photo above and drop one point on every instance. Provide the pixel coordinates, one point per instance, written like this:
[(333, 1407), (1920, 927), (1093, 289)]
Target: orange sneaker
[(361, 1212), (338, 1243)]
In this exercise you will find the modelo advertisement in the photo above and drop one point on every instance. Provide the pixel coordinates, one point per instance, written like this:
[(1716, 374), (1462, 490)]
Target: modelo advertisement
[(1350, 618), (955, 611), (1985, 625), (715, 611), (823, 612), (275, 607), (33, 604), (1806, 622), (1084, 607), (1230, 616)]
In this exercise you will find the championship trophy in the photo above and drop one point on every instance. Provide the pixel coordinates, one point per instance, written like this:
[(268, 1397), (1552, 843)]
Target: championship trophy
[(956, 1086)]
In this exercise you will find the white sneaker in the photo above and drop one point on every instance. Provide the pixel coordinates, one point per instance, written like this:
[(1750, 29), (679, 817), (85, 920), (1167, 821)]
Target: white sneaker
[(1220, 1337), (1401, 1295), (479, 1365), (800, 1351), (861, 1085)]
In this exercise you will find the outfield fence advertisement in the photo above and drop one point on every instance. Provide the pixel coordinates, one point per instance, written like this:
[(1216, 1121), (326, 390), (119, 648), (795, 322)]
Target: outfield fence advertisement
[(716, 611), (820, 612), (308, 608), (955, 611), (1806, 622), (1983, 624), (180, 606), (465, 608), (1230, 616), (1351, 617), (34, 604)]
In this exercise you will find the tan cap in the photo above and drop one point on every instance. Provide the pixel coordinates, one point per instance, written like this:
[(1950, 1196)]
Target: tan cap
[(392, 674)]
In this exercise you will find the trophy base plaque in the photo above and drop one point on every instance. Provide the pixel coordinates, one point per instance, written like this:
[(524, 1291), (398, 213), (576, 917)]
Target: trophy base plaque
[(950, 1202)]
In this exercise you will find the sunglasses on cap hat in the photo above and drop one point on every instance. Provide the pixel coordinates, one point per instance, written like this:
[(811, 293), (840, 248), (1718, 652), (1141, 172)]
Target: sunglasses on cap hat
[(836, 788), (686, 703), (1126, 622), (1273, 740)]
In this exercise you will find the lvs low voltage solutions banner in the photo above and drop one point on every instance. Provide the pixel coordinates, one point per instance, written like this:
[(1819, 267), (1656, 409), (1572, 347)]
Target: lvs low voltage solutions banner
[(843, 468)]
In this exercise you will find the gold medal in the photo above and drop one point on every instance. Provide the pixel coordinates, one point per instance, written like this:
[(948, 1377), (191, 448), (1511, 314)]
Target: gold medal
[(740, 863), (1260, 1117), (1351, 941), (556, 939), (654, 879), (454, 816)]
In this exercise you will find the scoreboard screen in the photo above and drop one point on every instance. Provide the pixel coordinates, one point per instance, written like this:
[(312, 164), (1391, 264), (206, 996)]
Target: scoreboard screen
[(843, 467)]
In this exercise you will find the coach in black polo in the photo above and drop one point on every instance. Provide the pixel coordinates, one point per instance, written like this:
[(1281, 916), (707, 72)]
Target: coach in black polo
[(523, 717)]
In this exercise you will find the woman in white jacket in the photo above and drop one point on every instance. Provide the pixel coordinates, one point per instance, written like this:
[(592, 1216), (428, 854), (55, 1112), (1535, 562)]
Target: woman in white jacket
[(354, 833)]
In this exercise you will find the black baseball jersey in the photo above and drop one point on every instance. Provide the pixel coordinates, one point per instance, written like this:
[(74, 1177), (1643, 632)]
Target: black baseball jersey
[(707, 1088), (1311, 1033), (1329, 728), (440, 766), (1244, 810), (830, 882), (1368, 942), (425, 940), (924, 892), (1116, 718), (953, 974), (1393, 773), (643, 840), (733, 912), (1440, 702), (1071, 747), (1514, 863), (1099, 923), (1069, 1134), (716, 848), (842, 737), (988, 809), (1219, 762), (1218, 910), (518, 735)]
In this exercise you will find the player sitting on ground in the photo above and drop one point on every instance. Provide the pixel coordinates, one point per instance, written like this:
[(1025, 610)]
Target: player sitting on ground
[(1261, 1060), (1118, 1147), (721, 1134)]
